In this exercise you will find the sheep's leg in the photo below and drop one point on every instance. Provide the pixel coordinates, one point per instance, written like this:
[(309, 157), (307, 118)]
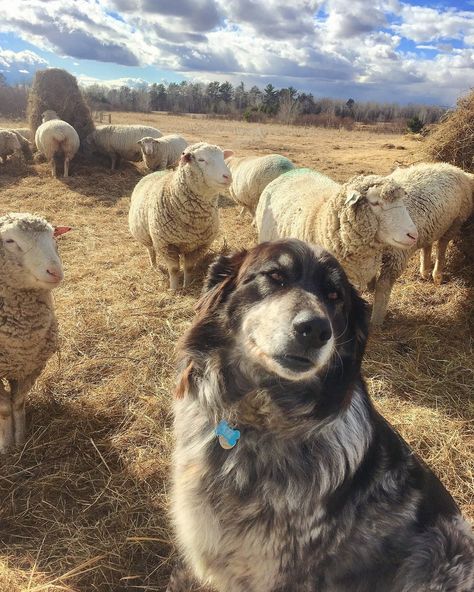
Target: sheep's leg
[(6, 419), (66, 166), (190, 260), (426, 264), (242, 212), (152, 255), (383, 289), (440, 260), (113, 161), (181, 580), (53, 168), (19, 390), (172, 263)]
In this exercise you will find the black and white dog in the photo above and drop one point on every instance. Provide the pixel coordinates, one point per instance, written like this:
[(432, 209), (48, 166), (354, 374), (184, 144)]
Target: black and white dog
[(285, 477)]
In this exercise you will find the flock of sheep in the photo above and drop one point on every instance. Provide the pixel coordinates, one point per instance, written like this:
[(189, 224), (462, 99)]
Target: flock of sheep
[(373, 224)]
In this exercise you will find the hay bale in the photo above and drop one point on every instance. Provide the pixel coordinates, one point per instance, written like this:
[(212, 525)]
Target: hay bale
[(58, 90), (453, 139)]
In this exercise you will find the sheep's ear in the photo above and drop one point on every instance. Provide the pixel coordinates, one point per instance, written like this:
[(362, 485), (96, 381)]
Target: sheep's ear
[(228, 153), (185, 157), (58, 230), (139, 142), (352, 198)]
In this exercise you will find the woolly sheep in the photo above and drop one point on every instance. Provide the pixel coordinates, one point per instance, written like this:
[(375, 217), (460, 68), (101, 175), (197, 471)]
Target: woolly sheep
[(439, 199), (175, 213), (119, 141), (250, 176), (54, 137), (24, 131), (25, 144), (30, 268), (354, 221), (9, 144), (160, 153)]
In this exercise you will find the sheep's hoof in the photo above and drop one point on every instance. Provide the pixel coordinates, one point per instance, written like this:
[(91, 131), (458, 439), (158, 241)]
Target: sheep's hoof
[(425, 274), (437, 279)]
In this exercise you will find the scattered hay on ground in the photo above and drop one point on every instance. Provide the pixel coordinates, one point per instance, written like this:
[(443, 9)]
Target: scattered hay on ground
[(83, 507)]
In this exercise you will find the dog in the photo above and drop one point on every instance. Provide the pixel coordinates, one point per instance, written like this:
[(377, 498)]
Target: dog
[(285, 478)]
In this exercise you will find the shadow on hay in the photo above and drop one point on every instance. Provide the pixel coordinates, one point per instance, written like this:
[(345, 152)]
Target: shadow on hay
[(13, 170), (102, 184), (69, 497)]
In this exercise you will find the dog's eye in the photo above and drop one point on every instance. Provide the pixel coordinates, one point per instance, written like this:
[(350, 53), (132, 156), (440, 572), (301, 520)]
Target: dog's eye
[(277, 276), (333, 295)]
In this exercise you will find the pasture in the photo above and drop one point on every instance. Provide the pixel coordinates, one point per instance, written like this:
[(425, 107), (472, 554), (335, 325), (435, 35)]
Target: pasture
[(83, 506)]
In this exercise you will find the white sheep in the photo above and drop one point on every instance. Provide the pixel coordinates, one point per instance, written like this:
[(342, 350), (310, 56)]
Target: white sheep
[(160, 153), (30, 268), (119, 141), (354, 221), (250, 176), (175, 213), (25, 144), (9, 144), (55, 137), (439, 200)]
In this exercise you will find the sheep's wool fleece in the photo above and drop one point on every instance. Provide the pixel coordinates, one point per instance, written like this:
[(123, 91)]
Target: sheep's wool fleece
[(251, 174), (54, 132), (28, 326), (122, 139), (308, 205), (9, 143), (167, 213)]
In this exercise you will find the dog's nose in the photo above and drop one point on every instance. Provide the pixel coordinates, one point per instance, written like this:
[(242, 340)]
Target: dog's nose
[(311, 330)]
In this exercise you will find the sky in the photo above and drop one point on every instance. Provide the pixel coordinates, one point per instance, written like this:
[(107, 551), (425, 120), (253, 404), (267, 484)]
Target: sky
[(382, 50)]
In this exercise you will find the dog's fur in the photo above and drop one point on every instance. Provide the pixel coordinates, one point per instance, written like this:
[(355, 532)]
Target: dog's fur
[(320, 494)]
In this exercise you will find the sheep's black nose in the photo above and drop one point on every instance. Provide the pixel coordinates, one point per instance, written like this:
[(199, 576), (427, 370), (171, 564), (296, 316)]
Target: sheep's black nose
[(311, 330)]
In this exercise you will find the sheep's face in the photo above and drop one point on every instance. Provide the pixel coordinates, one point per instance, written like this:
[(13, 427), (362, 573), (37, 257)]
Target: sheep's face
[(31, 256), (148, 145), (48, 115), (386, 202), (210, 161), (395, 226)]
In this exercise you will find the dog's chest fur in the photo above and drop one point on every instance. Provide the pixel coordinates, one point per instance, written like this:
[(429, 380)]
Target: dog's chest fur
[(249, 517)]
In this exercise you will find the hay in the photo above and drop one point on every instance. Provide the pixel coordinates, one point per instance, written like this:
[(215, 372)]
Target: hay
[(58, 90), (83, 507), (453, 138)]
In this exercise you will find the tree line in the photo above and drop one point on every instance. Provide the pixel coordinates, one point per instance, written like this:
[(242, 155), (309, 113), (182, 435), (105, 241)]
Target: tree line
[(222, 99)]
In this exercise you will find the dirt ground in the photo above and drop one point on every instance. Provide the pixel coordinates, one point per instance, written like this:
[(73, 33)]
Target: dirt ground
[(83, 506)]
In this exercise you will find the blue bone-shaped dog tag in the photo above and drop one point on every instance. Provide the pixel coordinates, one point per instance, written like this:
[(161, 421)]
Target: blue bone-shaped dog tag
[(227, 436)]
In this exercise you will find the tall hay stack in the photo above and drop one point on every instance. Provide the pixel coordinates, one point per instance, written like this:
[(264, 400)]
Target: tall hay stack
[(453, 138), (58, 90)]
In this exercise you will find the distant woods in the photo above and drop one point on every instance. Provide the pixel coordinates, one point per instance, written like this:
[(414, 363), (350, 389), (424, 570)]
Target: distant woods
[(222, 99)]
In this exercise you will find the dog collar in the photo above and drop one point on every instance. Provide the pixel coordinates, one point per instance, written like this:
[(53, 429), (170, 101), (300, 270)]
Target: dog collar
[(228, 437)]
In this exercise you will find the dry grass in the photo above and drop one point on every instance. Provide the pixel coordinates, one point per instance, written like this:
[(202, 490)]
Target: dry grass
[(83, 505)]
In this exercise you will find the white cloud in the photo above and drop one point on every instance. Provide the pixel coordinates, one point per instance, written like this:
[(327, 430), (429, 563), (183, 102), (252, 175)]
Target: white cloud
[(112, 83), (324, 46), (15, 66)]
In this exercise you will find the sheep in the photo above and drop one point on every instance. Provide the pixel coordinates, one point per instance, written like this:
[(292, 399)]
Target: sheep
[(175, 213), (439, 200), (160, 153), (9, 144), (354, 221), (55, 136), (250, 176), (25, 144), (30, 268), (119, 141), (24, 131)]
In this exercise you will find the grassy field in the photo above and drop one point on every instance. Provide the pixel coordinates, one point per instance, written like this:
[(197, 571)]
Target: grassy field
[(83, 506)]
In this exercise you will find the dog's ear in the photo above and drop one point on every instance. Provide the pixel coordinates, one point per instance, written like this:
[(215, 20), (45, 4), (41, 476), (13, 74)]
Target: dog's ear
[(360, 319), (220, 281)]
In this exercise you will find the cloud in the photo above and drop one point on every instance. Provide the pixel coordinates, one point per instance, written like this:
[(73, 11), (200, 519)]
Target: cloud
[(112, 83), (324, 46), (20, 66)]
